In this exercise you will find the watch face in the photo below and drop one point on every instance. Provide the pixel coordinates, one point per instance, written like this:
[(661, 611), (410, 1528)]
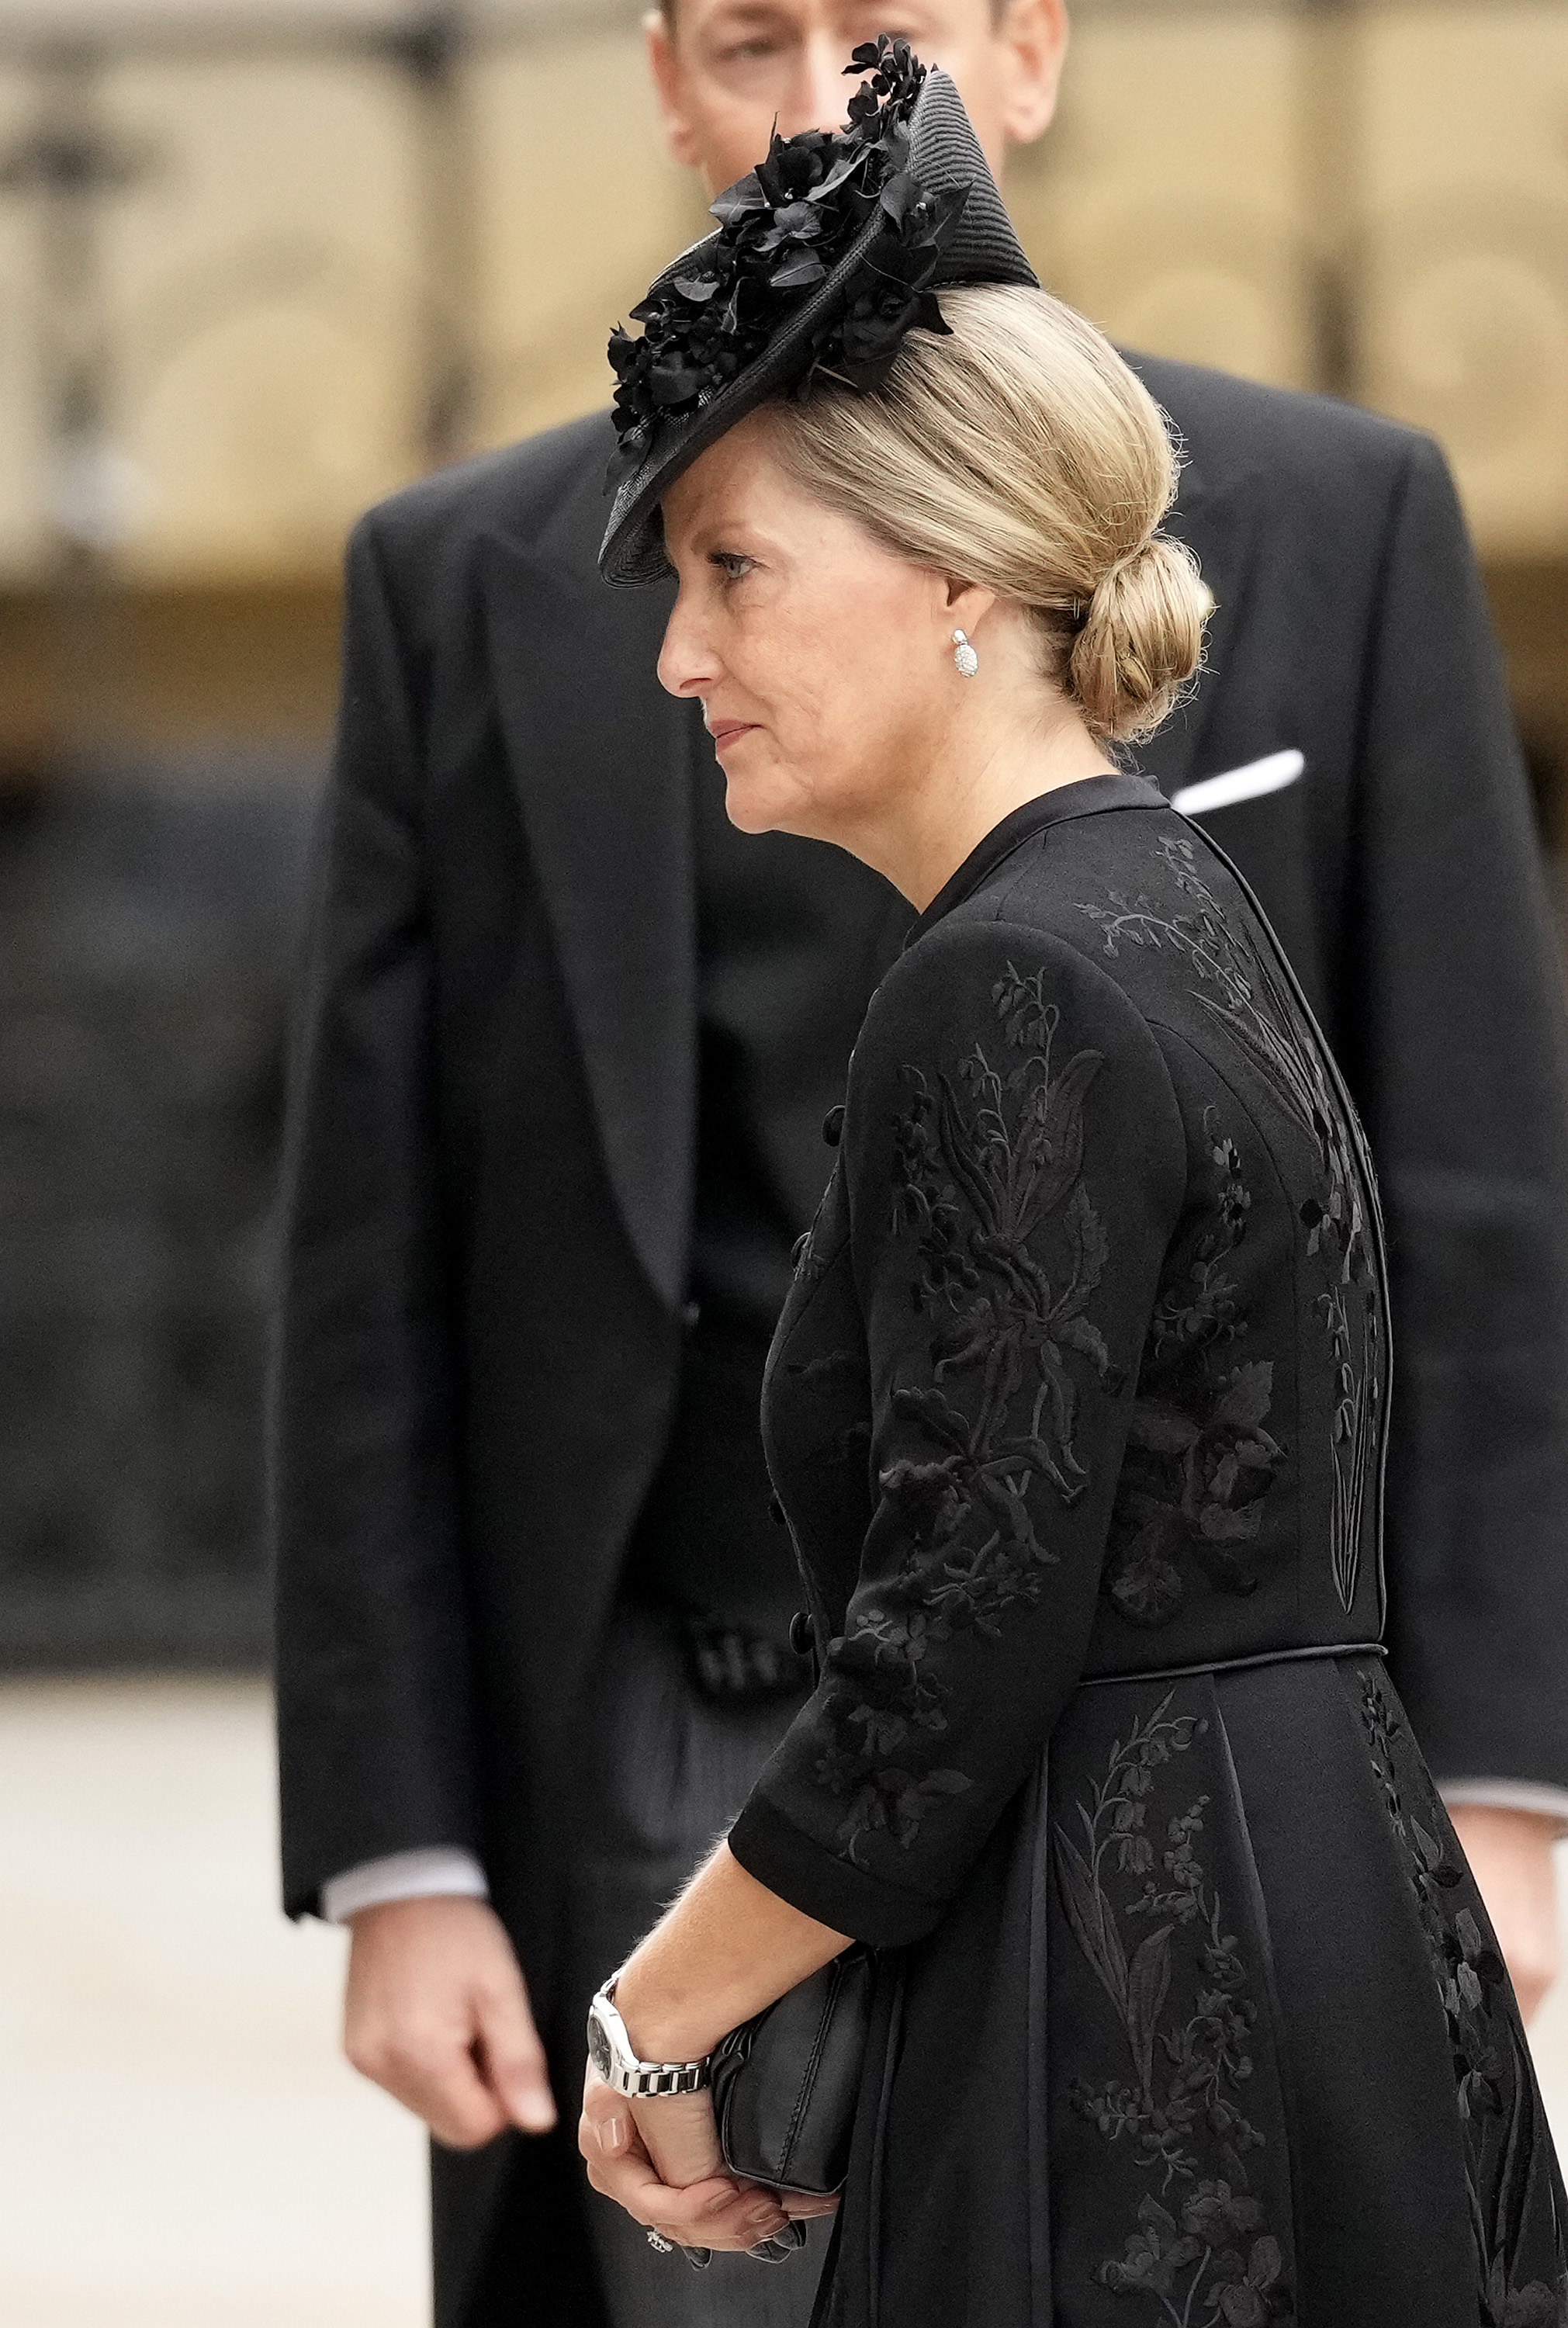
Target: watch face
[(598, 2046)]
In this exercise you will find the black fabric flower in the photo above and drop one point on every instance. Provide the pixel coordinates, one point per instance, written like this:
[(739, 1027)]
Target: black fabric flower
[(782, 230)]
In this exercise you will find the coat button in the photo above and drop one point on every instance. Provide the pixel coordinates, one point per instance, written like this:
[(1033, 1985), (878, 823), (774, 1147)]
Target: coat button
[(833, 1126), (775, 1512), (802, 1633)]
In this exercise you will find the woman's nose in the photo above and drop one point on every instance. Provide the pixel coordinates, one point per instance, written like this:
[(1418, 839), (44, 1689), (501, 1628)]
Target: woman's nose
[(687, 666)]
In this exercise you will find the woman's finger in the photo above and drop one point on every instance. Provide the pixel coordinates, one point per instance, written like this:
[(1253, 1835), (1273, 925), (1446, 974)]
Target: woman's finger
[(733, 2226), (605, 2130), (710, 2211), (680, 2138), (713, 2214), (630, 2180)]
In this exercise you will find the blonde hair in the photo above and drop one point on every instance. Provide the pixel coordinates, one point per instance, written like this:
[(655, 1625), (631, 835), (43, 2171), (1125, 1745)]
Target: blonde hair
[(1023, 454)]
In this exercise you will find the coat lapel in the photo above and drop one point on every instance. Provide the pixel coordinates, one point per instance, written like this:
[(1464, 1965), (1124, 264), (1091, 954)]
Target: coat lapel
[(600, 758)]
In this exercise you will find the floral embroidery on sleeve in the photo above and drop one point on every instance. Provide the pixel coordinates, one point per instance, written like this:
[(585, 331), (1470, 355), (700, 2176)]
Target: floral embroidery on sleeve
[(988, 1167)]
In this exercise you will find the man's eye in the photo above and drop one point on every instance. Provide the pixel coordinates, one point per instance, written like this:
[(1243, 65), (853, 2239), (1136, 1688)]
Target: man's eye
[(748, 52)]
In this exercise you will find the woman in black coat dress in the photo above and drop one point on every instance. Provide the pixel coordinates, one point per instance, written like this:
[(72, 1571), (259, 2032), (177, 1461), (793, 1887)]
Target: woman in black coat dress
[(1188, 2007)]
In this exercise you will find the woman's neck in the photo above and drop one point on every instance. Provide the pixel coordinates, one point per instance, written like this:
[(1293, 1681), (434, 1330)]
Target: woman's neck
[(920, 838)]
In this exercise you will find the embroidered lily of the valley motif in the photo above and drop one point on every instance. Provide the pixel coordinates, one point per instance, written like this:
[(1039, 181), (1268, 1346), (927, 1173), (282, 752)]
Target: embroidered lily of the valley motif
[(1200, 1457), (988, 1172), (1200, 2250), (1243, 991), (1514, 2199)]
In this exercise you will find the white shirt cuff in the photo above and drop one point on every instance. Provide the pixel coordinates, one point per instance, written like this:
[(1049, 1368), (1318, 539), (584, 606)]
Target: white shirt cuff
[(442, 1872), (1508, 1795)]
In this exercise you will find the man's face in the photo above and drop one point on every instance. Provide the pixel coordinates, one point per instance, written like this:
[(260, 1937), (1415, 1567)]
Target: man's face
[(727, 70)]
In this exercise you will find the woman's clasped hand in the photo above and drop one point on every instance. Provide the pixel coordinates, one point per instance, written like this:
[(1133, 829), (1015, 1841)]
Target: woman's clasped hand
[(659, 2160)]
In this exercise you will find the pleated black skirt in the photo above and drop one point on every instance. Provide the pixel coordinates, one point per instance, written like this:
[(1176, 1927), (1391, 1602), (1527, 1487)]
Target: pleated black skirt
[(1216, 2036)]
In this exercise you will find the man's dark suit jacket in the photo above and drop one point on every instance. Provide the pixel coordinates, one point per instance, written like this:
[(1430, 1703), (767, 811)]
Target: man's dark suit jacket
[(490, 1186)]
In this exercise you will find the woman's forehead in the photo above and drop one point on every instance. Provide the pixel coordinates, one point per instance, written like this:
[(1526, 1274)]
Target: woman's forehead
[(740, 473)]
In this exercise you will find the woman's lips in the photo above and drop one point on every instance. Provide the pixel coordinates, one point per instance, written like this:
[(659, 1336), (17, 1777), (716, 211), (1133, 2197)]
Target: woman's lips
[(725, 732)]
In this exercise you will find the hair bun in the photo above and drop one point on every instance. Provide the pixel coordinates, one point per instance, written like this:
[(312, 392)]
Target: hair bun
[(1018, 452), (1141, 639)]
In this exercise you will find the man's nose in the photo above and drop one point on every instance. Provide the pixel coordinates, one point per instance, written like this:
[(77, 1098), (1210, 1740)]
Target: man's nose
[(820, 98)]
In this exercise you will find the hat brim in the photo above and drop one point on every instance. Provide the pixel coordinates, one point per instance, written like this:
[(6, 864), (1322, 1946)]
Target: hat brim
[(943, 154)]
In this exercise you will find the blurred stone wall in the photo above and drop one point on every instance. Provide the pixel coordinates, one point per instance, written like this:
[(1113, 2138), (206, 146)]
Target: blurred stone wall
[(299, 246)]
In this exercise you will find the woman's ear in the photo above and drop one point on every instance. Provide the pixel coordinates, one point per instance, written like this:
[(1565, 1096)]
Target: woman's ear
[(965, 605)]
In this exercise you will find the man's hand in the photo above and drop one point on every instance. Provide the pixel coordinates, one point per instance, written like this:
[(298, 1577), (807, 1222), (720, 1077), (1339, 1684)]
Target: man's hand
[(437, 2013), (1510, 1854)]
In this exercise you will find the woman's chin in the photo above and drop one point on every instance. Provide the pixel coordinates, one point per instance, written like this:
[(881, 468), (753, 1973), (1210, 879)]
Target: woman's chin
[(753, 804)]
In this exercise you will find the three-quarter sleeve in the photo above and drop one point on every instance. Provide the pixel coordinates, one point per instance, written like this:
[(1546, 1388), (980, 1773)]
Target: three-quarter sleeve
[(1015, 1164)]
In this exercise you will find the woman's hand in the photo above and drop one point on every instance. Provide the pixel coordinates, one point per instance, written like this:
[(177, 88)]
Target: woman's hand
[(728, 1947), (660, 2160)]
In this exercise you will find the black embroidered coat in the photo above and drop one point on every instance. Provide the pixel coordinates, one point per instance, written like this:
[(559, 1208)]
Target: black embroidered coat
[(1077, 1410), (488, 1205)]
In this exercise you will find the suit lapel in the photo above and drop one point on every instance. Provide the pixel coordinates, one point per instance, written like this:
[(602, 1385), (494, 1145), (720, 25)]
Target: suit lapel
[(600, 758)]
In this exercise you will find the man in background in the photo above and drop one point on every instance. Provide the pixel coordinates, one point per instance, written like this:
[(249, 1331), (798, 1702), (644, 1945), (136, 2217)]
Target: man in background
[(533, 1622)]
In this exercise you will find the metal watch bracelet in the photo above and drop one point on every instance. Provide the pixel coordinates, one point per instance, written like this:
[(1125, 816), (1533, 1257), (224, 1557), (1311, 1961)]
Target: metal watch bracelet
[(612, 2055)]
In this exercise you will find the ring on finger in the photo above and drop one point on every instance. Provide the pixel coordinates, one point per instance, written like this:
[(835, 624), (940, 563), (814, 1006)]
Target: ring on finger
[(659, 2243)]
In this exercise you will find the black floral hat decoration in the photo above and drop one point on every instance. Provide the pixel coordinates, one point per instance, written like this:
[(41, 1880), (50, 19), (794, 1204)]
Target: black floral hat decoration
[(826, 256)]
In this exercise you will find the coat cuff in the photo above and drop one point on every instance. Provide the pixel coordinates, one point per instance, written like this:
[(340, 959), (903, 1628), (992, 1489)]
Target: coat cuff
[(444, 1873), (821, 1884)]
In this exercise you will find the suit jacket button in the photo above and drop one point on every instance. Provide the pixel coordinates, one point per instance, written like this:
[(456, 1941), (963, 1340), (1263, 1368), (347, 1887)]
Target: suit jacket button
[(802, 1637), (833, 1126)]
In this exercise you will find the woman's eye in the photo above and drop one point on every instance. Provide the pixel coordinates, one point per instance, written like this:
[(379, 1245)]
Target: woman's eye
[(731, 564)]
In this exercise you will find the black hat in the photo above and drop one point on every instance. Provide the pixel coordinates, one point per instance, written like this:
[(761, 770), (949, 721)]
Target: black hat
[(826, 256)]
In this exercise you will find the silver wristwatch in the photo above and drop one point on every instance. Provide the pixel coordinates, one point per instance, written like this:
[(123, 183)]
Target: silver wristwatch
[(610, 2051)]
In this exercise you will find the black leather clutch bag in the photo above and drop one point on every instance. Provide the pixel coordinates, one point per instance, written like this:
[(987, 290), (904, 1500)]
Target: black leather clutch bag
[(786, 2085)]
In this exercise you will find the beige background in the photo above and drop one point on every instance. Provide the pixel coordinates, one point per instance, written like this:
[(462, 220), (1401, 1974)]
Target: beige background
[(1221, 177), (180, 2145)]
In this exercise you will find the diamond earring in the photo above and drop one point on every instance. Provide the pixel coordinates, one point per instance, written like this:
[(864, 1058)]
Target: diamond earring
[(964, 655)]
